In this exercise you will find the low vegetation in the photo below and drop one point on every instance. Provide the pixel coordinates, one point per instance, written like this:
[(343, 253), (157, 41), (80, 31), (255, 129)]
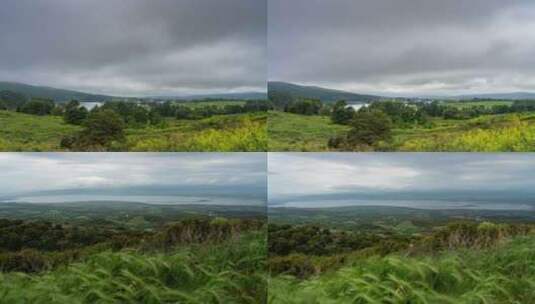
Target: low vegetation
[(178, 258), (462, 262)]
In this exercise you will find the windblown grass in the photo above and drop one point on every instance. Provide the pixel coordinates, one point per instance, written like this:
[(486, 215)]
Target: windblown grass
[(505, 274), (231, 272)]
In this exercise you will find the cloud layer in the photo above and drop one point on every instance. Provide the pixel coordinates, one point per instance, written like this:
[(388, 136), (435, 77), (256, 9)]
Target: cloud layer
[(124, 174), (418, 47), (469, 177), (135, 47)]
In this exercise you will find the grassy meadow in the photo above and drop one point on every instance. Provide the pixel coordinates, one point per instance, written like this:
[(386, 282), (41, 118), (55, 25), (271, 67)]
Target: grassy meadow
[(511, 132), (491, 133), (237, 132), (294, 132)]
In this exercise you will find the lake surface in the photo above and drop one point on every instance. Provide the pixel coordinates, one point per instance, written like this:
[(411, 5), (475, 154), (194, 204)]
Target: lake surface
[(90, 105), (146, 199), (357, 107), (432, 205)]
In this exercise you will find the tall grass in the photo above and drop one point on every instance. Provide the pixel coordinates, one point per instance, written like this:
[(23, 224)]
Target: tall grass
[(232, 272), (500, 275), (516, 135), (235, 133)]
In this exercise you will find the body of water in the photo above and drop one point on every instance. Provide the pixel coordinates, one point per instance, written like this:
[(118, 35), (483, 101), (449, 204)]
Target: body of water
[(430, 205), (357, 107), (145, 199), (90, 105)]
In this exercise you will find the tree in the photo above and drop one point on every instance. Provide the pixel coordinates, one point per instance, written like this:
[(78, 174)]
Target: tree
[(103, 127), (368, 128), (342, 114), (74, 113)]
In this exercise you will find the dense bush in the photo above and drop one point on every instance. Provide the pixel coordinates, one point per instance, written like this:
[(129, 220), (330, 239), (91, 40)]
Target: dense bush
[(341, 113), (37, 107), (314, 240), (305, 107), (74, 113), (369, 128)]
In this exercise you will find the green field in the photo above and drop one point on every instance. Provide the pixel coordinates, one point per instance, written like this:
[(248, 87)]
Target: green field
[(491, 133), (484, 103), (239, 132), (23, 132), (293, 132), (488, 133)]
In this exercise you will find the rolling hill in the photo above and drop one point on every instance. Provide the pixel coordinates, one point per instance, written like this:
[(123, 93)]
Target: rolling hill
[(507, 96), (225, 96), (313, 92), (58, 95)]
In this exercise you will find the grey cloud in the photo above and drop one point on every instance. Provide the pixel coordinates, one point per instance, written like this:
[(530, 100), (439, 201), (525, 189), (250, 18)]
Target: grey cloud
[(310, 177), (446, 47), (135, 47), (225, 174)]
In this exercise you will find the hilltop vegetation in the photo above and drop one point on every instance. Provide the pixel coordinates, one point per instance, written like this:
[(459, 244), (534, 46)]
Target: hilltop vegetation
[(175, 256), (498, 275), (456, 262)]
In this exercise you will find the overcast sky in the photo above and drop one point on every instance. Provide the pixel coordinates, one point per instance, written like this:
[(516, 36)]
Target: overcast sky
[(135, 47), (413, 47), (325, 178), (216, 175)]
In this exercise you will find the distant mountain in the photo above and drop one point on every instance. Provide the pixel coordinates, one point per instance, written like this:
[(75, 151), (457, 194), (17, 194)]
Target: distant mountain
[(277, 88), (238, 96), (509, 96), (58, 95)]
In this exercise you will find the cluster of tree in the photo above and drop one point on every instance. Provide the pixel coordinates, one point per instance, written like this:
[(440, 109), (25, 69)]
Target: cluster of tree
[(33, 246), (314, 240), (306, 107), (181, 111), (17, 102), (438, 109), (11, 100), (102, 128), (369, 127)]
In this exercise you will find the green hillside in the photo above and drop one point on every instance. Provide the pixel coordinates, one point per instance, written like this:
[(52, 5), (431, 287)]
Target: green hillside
[(276, 88), (505, 274), (239, 132), (58, 95)]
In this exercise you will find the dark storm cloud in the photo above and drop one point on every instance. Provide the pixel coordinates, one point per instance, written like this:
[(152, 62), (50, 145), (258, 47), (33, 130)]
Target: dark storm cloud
[(328, 177), (218, 175), (135, 47), (404, 47)]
